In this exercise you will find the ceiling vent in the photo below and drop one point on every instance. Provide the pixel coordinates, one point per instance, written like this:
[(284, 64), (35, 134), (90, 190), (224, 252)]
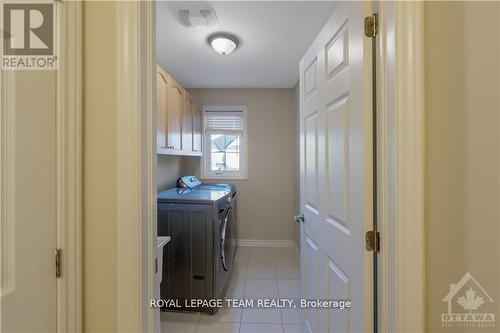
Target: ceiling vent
[(198, 17)]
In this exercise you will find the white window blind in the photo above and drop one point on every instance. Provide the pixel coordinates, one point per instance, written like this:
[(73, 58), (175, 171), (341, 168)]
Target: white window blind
[(224, 122)]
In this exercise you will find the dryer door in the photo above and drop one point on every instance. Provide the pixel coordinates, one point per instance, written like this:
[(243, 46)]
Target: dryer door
[(228, 241)]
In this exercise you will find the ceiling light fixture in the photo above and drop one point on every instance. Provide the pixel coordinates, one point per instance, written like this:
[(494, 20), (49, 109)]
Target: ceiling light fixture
[(223, 43)]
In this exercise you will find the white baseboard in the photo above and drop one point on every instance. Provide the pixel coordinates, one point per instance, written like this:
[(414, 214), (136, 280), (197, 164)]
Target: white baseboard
[(296, 248), (265, 243)]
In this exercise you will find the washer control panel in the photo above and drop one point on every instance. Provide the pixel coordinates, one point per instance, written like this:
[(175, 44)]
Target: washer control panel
[(188, 182)]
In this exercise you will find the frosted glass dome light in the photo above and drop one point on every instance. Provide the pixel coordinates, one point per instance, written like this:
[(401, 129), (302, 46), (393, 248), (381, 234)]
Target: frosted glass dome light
[(223, 43)]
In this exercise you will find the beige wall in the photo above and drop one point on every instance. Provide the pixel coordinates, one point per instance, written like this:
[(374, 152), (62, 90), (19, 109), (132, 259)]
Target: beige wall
[(266, 201), (296, 92), (462, 110), (170, 168), (99, 222)]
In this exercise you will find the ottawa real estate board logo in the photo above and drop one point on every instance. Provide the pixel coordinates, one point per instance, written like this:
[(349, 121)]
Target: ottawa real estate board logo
[(28, 35), (467, 305)]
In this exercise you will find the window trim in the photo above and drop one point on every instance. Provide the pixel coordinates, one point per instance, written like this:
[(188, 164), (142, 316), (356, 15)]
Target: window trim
[(205, 173)]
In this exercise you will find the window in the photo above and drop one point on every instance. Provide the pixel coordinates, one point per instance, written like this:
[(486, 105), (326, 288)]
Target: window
[(225, 142)]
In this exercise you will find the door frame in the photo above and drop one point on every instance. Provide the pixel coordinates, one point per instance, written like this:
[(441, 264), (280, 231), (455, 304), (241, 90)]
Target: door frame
[(400, 100), (69, 165), (136, 166), (7, 176), (68, 168), (401, 170)]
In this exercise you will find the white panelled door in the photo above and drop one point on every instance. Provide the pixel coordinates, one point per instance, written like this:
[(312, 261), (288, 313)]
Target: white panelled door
[(335, 172)]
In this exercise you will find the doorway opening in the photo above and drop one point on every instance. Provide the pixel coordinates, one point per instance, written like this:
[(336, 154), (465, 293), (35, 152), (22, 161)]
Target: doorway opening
[(248, 95)]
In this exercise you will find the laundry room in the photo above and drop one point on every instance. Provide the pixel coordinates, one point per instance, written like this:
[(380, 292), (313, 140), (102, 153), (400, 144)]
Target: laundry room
[(227, 158), (249, 166)]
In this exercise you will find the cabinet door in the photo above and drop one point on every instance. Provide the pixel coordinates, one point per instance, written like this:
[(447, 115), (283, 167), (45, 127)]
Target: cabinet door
[(174, 115), (197, 118), (161, 109), (187, 123)]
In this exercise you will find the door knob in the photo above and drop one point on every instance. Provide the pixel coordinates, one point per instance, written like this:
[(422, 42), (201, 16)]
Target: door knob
[(299, 218)]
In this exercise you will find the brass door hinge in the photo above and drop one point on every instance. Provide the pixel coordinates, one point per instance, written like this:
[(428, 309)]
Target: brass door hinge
[(58, 259), (372, 239), (371, 25)]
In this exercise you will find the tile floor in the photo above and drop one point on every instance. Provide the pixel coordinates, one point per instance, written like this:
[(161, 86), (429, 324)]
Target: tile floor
[(257, 272)]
